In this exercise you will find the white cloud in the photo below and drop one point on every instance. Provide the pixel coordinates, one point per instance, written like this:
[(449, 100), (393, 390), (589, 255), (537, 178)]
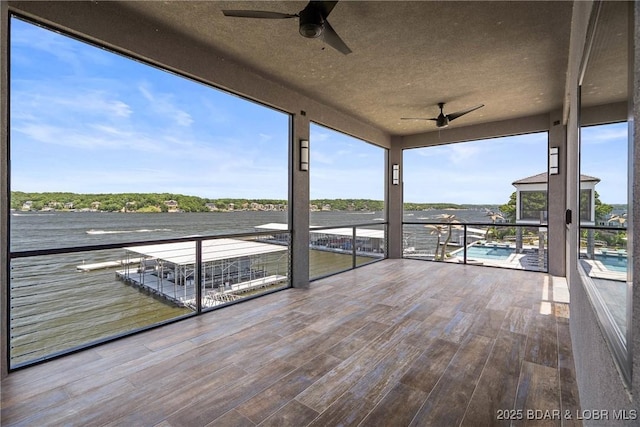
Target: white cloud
[(162, 103), (318, 135), (604, 134), (37, 101), (263, 137), (320, 157), (120, 109), (462, 153)]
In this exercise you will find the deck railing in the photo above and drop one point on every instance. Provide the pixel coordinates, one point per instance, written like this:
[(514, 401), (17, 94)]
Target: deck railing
[(65, 299), (514, 246), (338, 248)]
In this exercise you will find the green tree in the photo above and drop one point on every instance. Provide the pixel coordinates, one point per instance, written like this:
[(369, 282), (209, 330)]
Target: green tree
[(602, 209), (509, 208)]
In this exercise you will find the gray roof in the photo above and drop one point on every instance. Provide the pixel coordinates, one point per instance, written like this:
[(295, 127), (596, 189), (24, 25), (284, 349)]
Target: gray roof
[(543, 177)]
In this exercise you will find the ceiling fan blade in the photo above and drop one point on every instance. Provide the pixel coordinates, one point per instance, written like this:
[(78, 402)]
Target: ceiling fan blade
[(333, 39), (261, 14), (454, 116), (417, 118), (325, 7)]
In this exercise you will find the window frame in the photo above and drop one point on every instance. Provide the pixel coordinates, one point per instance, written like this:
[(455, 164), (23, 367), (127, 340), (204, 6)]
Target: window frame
[(131, 56), (619, 343)]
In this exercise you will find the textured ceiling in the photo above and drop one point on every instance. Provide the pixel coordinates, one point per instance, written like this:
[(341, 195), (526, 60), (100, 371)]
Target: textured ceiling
[(605, 77), (407, 56)]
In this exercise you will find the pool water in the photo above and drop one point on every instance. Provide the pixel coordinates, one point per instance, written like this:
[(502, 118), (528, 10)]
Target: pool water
[(488, 252), (613, 262)]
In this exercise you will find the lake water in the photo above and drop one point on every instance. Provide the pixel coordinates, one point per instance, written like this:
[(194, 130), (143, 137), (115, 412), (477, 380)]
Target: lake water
[(55, 307), (38, 230)]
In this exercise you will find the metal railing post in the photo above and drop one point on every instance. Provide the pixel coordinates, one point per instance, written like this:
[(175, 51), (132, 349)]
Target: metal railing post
[(353, 248), (198, 277), (464, 244)]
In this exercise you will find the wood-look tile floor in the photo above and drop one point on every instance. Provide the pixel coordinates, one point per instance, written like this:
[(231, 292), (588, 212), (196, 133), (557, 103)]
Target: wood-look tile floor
[(395, 343)]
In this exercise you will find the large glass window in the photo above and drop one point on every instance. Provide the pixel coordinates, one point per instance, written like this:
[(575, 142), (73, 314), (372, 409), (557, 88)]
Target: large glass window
[(347, 202), (106, 150), (605, 257), (533, 205), (603, 219), (586, 201), (483, 202)]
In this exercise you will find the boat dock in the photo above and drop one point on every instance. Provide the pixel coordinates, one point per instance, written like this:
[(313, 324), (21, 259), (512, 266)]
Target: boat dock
[(231, 269), (107, 264), (185, 295)]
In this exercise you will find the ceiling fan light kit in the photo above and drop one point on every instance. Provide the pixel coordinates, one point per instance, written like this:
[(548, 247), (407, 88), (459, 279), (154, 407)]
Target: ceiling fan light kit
[(311, 23)]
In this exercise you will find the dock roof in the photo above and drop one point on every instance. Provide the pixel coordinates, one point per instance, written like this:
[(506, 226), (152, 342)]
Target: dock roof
[(343, 231), (184, 253)]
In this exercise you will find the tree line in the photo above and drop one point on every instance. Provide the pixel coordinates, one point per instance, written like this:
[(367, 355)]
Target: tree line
[(163, 202), (126, 202), (157, 202)]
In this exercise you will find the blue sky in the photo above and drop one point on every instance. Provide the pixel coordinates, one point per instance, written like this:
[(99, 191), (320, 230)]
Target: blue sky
[(89, 121), (482, 171), (604, 155), (478, 172), (344, 167), (86, 120)]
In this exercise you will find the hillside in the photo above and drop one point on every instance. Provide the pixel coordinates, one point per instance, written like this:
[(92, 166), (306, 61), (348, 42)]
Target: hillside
[(168, 202)]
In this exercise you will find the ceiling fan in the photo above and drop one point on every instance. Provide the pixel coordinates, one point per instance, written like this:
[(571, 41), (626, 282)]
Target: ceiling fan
[(442, 121), (312, 21)]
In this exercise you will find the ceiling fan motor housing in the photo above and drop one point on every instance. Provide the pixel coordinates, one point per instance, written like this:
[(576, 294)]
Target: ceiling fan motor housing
[(311, 22)]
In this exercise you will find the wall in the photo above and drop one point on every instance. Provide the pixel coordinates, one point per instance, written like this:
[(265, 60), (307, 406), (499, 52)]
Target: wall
[(394, 201), (557, 201), (4, 177)]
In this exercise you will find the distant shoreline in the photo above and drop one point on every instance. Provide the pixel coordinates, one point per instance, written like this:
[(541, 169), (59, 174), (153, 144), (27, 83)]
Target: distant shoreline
[(169, 202), (176, 203)]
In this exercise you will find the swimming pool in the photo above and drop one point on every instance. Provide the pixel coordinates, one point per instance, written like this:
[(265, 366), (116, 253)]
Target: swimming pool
[(488, 252), (613, 262)]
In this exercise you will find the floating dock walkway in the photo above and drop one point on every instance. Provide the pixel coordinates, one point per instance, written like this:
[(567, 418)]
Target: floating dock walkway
[(107, 264), (185, 295)]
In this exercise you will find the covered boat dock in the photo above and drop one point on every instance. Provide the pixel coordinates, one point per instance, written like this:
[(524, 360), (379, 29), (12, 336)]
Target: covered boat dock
[(230, 268), (367, 240)]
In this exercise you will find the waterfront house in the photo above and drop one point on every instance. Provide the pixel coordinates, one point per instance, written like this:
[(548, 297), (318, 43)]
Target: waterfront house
[(404, 341)]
